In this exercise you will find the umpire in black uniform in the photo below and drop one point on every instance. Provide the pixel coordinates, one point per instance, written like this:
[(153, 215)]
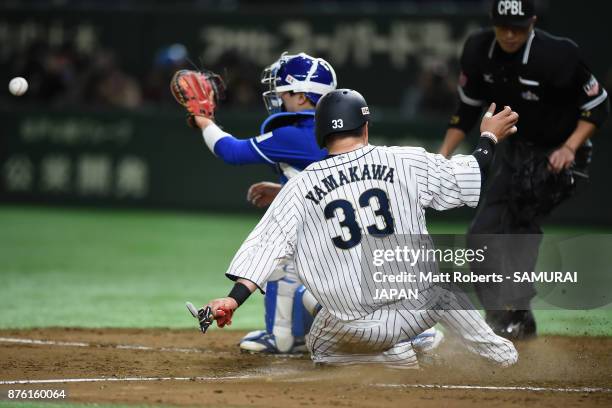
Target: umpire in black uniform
[(561, 105)]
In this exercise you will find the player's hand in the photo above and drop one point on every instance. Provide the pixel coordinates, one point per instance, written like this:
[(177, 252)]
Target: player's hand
[(561, 158), (502, 124), (262, 194), (222, 310)]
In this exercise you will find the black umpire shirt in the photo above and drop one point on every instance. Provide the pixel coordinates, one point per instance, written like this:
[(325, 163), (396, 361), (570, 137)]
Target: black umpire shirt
[(546, 82)]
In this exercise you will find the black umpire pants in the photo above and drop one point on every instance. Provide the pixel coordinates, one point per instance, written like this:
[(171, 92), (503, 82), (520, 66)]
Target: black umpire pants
[(512, 236)]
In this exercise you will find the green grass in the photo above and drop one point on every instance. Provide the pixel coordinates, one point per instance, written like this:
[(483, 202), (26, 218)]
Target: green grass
[(102, 268), (575, 322), (114, 269)]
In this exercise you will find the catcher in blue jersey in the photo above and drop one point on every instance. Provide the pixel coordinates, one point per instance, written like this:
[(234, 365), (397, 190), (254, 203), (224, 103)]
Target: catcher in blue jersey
[(294, 84)]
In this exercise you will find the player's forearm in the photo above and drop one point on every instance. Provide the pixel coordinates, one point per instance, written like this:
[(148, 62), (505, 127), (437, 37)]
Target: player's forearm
[(452, 139), (212, 134), (227, 147), (484, 153), (583, 132), (242, 290), (493, 127), (250, 285)]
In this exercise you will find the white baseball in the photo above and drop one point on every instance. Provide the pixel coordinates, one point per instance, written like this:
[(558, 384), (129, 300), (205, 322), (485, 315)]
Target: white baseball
[(18, 86)]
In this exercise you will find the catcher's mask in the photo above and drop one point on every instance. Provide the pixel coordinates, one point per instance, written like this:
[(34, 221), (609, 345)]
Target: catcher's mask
[(314, 77)]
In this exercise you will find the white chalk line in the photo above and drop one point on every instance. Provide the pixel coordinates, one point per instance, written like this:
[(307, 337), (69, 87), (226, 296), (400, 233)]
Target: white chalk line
[(588, 390), (123, 379), (15, 340), (112, 346), (243, 377), (497, 388)]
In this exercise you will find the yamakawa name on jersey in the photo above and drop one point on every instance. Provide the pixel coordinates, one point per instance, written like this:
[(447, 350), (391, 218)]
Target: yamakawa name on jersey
[(334, 181)]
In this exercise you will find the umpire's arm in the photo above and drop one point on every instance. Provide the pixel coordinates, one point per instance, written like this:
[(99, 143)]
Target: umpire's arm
[(594, 107), (461, 123)]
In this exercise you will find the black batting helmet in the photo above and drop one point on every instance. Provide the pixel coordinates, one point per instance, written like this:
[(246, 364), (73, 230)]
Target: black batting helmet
[(340, 111)]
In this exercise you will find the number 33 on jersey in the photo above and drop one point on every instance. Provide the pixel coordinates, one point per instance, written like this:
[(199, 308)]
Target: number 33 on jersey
[(323, 214)]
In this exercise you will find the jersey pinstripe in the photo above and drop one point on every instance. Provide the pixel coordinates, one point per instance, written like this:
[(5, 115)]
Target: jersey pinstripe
[(297, 224), (320, 218)]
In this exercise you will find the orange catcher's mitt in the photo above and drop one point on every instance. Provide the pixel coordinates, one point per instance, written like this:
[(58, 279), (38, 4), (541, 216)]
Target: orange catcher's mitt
[(199, 92)]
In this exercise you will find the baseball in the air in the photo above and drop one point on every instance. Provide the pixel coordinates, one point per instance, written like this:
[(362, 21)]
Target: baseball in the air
[(18, 86)]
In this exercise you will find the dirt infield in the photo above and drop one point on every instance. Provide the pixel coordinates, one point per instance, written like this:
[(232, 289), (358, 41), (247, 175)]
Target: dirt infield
[(173, 367)]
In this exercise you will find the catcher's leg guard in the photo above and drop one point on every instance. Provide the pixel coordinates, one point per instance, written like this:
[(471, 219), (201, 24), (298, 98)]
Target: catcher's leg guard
[(310, 303), (286, 317), (289, 308), (302, 317)]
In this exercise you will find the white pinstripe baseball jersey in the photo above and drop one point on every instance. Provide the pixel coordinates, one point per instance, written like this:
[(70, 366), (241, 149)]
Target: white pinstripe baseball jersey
[(322, 214)]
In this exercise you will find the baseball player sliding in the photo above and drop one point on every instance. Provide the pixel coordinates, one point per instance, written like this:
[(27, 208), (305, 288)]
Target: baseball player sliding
[(320, 219), (294, 84)]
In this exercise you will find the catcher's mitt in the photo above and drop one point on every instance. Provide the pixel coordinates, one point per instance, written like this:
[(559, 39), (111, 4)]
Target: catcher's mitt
[(199, 92)]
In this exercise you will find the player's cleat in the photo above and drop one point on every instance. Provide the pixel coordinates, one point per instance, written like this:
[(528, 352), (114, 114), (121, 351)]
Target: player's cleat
[(259, 341), (513, 324), (426, 344), (428, 341)]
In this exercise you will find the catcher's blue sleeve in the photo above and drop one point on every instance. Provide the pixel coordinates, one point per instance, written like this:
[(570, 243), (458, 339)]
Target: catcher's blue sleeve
[(237, 151), (294, 145), (288, 145)]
